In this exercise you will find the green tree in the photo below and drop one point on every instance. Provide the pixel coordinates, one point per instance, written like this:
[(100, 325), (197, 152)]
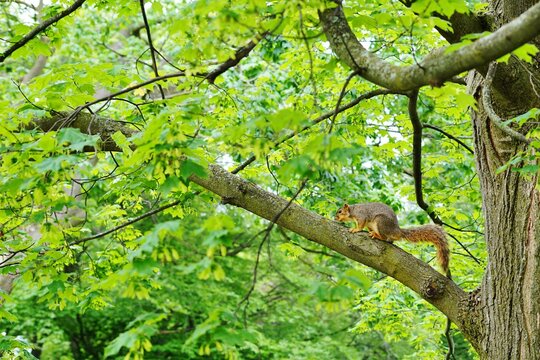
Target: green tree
[(135, 136)]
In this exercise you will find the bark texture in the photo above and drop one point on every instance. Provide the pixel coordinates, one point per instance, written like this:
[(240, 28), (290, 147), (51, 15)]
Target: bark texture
[(501, 318), (510, 291)]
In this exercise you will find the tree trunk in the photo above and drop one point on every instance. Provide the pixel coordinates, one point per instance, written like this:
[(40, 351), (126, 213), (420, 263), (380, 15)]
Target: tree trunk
[(510, 291), (508, 304)]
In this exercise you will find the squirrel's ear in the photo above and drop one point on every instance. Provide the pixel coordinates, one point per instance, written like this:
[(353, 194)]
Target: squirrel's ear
[(346, 206)]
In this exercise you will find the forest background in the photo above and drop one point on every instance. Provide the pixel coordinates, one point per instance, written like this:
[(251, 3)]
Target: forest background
[(136, 134)]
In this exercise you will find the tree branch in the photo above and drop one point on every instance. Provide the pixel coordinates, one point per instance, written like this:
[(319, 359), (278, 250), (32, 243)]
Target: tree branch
[(450, 136), (486, 101), (417, 158), (127, 223), (151, 46), (436, 68), (45, 24), (382, 256)]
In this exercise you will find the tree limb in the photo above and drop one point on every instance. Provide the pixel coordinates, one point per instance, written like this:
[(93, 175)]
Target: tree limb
[(35, 31), (382, 256), (437, 67), (486, 101)]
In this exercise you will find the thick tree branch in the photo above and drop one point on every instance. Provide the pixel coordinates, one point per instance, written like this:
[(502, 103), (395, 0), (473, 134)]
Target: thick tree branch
[(382, 256), (436, 68), (45, 24), (87, 124)]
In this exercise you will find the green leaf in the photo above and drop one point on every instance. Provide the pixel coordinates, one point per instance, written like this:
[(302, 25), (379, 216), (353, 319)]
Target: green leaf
[(189, 167), (357, 278), (75, 140), (526, 52), (126, 339)]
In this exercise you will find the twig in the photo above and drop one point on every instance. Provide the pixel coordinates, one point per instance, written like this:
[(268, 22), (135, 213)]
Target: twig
[(315, 121), (465, 248), (239, 55), (449, 339), (341, 95), (310, 56), (268, 229), (151, 45), (34, 32), (132, 221), (450, 136)]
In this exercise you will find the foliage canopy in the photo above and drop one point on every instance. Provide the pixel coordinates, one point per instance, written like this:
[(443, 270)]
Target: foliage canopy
[(120, 255)]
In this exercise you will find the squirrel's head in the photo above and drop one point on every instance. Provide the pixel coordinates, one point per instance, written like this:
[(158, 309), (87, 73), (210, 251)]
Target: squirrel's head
[(343, 213)]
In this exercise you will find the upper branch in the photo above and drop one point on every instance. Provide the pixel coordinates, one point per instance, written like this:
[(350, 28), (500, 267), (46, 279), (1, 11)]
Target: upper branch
[(45, 24), (436, 68)]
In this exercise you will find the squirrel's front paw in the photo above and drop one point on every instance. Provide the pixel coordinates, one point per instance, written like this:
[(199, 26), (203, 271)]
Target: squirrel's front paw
[(354, 230)]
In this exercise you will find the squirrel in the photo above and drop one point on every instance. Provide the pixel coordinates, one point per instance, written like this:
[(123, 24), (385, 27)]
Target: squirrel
[(382, 224)]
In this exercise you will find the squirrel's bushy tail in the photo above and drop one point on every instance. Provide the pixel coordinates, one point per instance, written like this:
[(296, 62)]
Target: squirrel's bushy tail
[(435, 235)]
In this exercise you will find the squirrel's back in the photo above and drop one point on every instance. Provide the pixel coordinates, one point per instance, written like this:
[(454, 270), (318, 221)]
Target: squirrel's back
[(373, 209)]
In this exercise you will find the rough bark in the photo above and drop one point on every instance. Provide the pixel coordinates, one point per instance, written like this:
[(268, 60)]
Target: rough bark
[(511, 286), (510, 291), (436, 68), (501, 318)]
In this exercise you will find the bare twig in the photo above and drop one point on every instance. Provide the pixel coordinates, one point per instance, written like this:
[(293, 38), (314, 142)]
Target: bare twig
[(450, 340), (151, 45), (127, 223), (450, 136), (315, 121), (341, 95), (268, 229), (44, 25)]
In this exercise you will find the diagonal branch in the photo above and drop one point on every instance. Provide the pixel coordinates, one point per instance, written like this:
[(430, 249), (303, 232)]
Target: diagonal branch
[(382, 256), (44, 25), (233, 61), (436, 68), (450, 136), (127, 223)]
